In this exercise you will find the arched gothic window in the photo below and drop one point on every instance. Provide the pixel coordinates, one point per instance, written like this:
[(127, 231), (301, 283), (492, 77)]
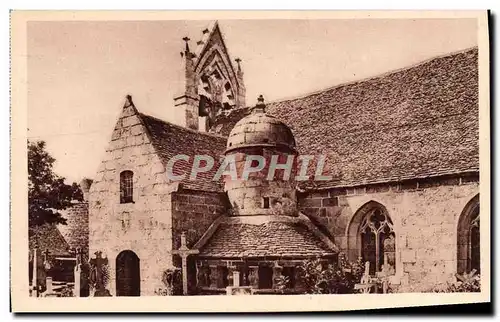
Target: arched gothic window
[(126, 186), (376, 234), (474, 262), (468, 241)]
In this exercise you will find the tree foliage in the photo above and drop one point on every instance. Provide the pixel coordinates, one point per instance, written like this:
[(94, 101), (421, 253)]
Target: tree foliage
[(47, 192)]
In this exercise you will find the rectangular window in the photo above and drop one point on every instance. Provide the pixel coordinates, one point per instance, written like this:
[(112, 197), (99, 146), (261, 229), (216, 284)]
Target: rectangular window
[(265, 202), (126, 187), (265, 277)]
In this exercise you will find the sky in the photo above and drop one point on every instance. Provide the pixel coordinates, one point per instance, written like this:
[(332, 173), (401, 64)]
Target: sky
[(80, 72)]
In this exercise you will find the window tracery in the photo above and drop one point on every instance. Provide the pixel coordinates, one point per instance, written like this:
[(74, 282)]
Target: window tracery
[(377, 239)]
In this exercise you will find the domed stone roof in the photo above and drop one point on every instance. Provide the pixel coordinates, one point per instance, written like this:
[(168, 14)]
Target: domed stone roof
[(260, 129)]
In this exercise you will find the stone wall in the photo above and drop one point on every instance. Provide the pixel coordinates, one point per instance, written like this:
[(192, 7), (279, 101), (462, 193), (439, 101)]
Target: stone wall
[(425, 215), (76, 230), (143, 226), (193, 212)]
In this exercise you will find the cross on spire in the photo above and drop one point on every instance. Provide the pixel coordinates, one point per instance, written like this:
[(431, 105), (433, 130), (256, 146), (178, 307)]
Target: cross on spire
[(186, 40), (238, 61)]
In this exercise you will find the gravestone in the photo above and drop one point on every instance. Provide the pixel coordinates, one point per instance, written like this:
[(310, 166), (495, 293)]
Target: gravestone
[(236, 289), (99, 270), (366, 283), (383, 275)]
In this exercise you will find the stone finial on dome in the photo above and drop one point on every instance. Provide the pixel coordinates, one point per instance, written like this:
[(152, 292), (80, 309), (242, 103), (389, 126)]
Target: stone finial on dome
[(260, 107)]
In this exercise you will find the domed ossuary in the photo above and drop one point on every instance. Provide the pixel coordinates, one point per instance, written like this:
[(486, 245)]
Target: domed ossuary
[(264, 152)]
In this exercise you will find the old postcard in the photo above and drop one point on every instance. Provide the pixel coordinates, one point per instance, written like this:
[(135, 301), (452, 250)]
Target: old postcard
[(288, 161)]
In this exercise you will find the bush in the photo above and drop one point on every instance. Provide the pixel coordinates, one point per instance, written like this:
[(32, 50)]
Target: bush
[(67, 291), (282, 283), (320, 277), (464, 283), (172, 281)]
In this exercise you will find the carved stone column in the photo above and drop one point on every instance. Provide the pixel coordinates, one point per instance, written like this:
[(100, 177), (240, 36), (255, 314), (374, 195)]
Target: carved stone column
[(202, 279), (214, 277), (253, 276), (277, 270), (230, 270), (236, 278)]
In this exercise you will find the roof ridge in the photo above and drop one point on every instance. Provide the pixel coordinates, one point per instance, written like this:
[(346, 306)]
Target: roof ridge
[(182, 127), (393, 71)]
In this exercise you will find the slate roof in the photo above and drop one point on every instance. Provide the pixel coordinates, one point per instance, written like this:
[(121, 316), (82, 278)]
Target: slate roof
[(169, 140), (270, 239), (49, 238), (420, 121)]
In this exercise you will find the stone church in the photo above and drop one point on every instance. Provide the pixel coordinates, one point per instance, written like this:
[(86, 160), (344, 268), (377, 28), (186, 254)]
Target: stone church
[(402, 152)]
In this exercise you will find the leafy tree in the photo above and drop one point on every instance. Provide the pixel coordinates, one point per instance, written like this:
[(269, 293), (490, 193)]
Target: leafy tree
[(47, 192)]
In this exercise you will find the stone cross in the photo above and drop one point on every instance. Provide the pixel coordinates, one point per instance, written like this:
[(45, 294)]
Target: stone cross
[(365, 284), (186, 40), (238, 61), (184, 252), (99, 262)]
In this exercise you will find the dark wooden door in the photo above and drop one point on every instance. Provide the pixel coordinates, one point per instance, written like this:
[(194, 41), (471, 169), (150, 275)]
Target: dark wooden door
[(128, 279)]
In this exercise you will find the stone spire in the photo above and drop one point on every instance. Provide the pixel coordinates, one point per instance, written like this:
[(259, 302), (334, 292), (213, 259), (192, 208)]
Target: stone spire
[(241, 91), (186, 96)]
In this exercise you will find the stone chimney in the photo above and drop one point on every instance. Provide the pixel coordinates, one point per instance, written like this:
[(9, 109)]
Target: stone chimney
[(85, 186)]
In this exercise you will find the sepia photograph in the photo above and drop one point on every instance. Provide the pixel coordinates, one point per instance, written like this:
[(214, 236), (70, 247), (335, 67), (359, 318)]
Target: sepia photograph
[(337, 156)]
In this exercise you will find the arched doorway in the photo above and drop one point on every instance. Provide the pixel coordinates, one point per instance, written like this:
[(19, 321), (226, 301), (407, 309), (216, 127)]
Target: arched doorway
[(128, 279), (371, 236), (468, 238)]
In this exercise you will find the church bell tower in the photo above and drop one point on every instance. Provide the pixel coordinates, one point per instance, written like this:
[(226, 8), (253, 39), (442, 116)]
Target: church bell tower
[(209, 84)]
